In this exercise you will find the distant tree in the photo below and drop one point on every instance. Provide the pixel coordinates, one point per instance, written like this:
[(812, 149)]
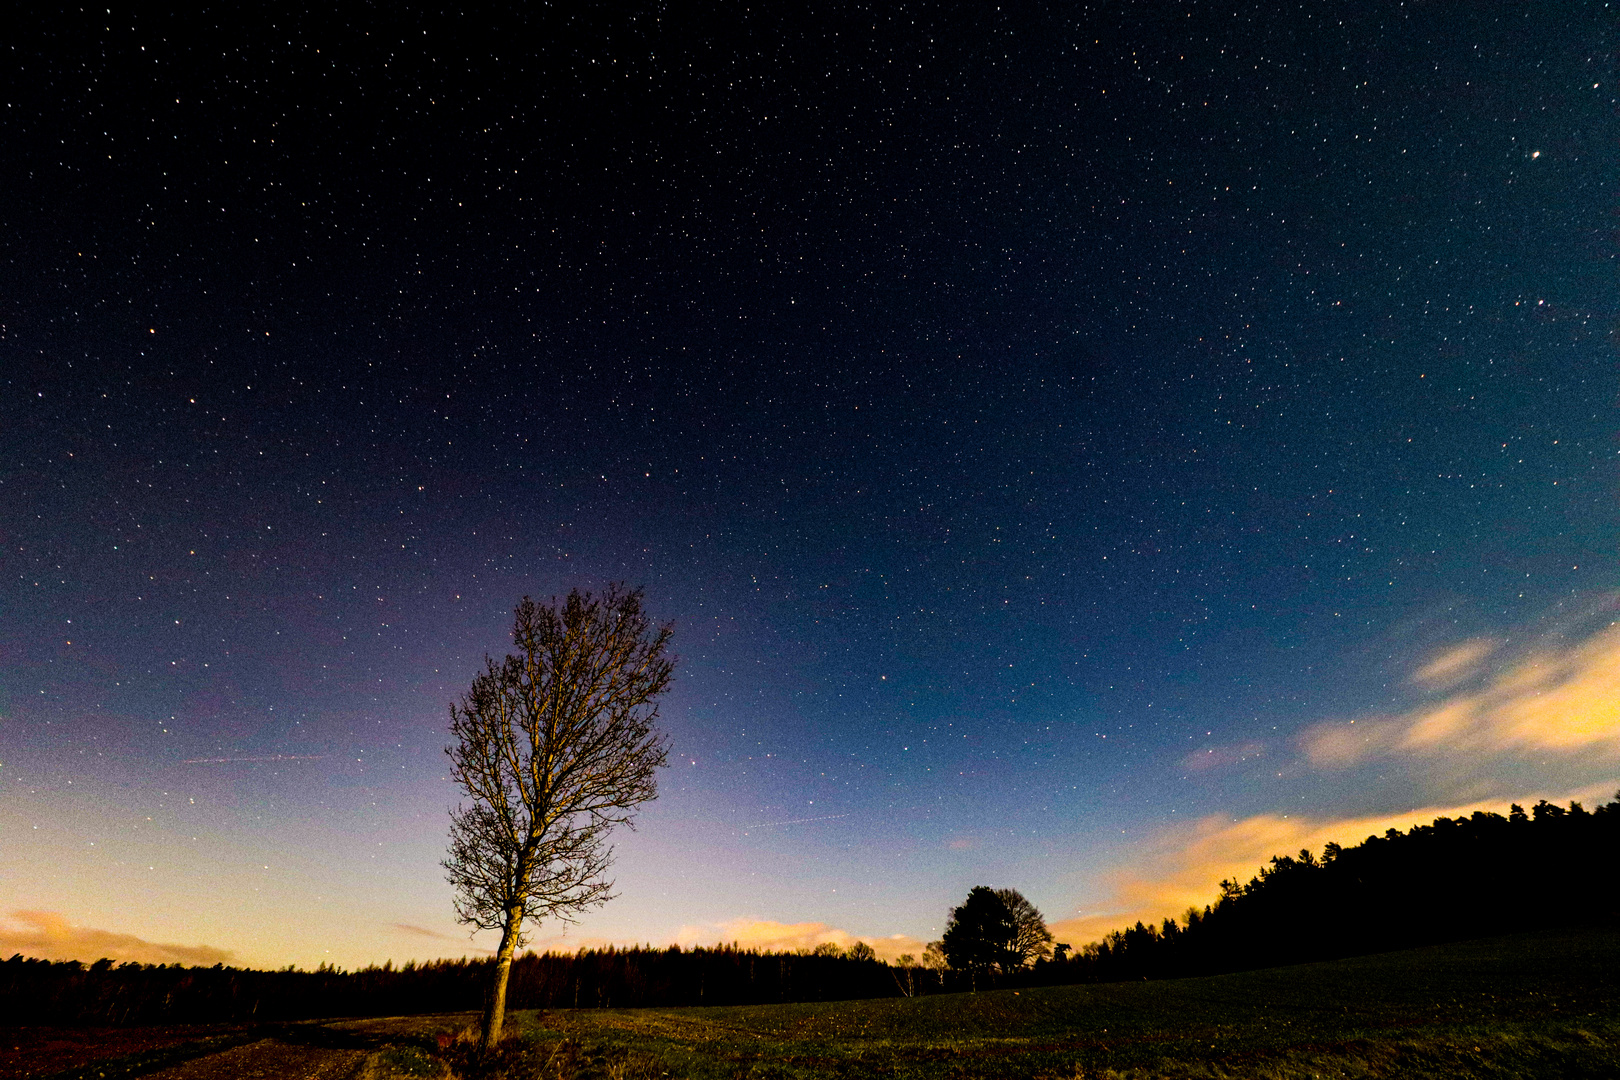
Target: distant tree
[(979, 934), (827, 948), (861, 951), (554, 746), (1544, 809), (905, 975), (1031, 940), (934, 964)]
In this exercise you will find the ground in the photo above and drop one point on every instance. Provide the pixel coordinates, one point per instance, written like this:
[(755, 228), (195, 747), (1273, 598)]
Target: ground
[(1526, 1006)]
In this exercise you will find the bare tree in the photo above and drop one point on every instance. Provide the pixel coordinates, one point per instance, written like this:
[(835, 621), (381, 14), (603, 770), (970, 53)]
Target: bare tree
[(1031, 939), (934, 962), (905, 978), (554, 747)]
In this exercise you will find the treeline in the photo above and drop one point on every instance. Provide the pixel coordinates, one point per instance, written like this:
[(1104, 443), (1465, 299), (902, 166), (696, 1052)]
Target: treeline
[(1455, 879), (68, 992)]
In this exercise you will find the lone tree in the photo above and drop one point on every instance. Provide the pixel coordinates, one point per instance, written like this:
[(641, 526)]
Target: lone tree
[(1031, 940), (978, 934), (995, 930), (554, 746)]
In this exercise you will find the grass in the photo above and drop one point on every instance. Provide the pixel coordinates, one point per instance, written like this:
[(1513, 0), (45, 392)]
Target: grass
[(1536, 1005), (1530, 1005)]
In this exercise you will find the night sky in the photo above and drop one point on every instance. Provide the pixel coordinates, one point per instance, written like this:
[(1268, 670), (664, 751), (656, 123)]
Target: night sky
[(1086, 449)]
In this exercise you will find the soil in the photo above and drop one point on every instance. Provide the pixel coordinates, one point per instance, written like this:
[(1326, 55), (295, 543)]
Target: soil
[(270, 1059), (333, 1050), (45, 1051)]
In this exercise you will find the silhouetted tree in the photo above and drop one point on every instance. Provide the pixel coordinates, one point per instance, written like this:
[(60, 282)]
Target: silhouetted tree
[(979, 934), (1031, 940), (554, 746), (861, 951)]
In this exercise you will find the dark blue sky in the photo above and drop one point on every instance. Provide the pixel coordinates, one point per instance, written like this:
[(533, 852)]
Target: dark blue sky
[(1007, 405)]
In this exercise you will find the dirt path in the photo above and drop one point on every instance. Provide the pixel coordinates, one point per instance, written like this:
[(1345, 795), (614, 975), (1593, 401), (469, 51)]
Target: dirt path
[(271, 1059), (372, 1049)]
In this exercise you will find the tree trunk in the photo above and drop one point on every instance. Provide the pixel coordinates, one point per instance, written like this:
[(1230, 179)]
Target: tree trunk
[(495, 1007)]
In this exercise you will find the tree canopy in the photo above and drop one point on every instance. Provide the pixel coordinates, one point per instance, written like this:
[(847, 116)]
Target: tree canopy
[(979, 934), (555, 746), (1031, 940)]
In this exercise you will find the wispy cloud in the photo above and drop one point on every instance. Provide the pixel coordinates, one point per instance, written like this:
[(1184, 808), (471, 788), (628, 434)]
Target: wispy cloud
[(49, 936), (1183, 870), (794, 821), (1216, 756), (1556, 698), (1455, 664), (237, 760), (769, 936), (463, 943), (422, 931)]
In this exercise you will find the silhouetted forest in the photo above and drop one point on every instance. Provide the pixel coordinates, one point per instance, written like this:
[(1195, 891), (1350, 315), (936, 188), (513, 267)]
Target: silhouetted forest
[(1457, 878), (68, 992)]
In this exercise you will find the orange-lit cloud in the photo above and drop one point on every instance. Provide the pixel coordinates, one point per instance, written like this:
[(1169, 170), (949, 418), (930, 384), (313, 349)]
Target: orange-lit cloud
[(48, 935), (791, 937), (1182, 871), (1562, 699)]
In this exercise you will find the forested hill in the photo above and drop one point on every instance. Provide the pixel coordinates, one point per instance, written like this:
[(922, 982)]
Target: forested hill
[(1457, 878), (68, 992)]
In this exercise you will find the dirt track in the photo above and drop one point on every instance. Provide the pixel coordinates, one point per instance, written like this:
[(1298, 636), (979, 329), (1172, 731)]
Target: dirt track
[(371, 1049), (271, 1059)]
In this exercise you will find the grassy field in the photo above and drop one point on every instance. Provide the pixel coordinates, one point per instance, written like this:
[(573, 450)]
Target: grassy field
[(1543, 1005), (1526, 1006)]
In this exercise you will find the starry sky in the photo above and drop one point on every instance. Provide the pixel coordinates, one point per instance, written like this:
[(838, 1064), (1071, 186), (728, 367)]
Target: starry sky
[(1082, 448)]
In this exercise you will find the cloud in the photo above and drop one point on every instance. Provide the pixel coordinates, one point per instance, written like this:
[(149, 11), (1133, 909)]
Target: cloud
[(1555, 699), (462, 940), (422, 931), (1216, 756), (234, 760), (770, 936), (1455, 664), (1181, 871), (49, 936)]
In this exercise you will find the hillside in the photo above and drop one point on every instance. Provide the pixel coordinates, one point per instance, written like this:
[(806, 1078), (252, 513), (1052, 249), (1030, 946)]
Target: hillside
[(1451, 880)]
